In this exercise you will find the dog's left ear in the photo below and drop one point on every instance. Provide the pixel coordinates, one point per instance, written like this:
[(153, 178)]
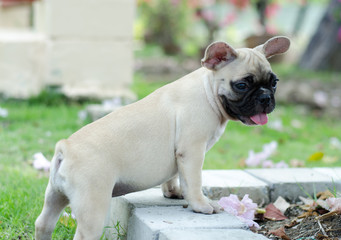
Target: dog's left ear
[(217, 55), (274, 46)]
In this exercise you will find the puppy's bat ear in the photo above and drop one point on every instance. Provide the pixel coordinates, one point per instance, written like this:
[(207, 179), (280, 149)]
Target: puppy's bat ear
[(217, 55), (274, 46)]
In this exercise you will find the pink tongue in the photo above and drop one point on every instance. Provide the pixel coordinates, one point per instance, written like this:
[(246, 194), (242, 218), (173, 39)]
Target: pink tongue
[(260, 119)]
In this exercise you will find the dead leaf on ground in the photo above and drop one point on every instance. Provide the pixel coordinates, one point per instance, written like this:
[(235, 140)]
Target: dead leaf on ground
[(67, 221), (273, 213), (308, 213), (307, 201), (320, 236), (296, 163), (312, 204), (280, 232), (324, 195), (281, 204), (291, 224), (316, 156)]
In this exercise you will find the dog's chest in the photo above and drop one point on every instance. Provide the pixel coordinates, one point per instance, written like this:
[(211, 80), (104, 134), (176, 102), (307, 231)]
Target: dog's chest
[(217, 134)]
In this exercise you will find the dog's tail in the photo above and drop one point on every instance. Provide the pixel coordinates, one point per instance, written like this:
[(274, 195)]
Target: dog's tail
[(57, 161)]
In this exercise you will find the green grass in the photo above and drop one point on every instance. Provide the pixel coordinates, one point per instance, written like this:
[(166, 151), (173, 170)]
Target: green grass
[(293, 143), (293, 72), (28, 129), (36, 125)]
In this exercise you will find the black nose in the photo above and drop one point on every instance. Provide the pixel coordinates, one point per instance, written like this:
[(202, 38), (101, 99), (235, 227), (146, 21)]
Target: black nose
[(264, 99)]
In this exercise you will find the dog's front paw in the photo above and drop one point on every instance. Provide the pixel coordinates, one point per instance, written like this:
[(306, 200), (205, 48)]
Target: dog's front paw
[(206, 206)]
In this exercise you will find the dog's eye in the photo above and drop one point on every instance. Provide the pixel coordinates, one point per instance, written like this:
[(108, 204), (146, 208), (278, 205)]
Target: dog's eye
[(274, 83), (241, 86)]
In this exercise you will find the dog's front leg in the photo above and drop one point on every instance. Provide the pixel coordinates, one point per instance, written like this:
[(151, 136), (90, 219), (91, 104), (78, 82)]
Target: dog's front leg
[(190, 162)]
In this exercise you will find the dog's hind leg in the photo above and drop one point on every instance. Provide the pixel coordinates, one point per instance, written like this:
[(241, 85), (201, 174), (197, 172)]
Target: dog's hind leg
[(91, 209), (171, 189), (55, 202)]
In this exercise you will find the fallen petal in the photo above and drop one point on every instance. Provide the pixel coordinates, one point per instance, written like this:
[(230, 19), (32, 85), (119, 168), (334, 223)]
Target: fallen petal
[(40, 162), (3, 112), (334, 204)]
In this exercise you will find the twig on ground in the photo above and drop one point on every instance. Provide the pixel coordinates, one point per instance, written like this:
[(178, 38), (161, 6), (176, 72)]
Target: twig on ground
[(322, 229), (327, 215), (333, 230), (304, 233)]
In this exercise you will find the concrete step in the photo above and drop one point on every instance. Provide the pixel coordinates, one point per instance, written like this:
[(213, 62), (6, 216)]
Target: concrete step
[(148, 215), (22, 63), (207, 234)]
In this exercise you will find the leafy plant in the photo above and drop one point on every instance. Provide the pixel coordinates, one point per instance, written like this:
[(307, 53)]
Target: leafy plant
[(119, 232)]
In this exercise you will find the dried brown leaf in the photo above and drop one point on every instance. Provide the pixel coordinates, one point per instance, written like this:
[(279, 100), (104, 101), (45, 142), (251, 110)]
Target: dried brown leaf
[(280, 232), (291, 224), (308, 213), (273, 213), (324, 195)]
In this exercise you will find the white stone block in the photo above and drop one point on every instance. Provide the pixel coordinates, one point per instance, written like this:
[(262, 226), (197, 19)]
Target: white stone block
[(147, 223), (22, 63), (39, 16), (290, 183), (207, 234), (222, 183), (333, 173), (99, 69), (90, 18), (123, 207)]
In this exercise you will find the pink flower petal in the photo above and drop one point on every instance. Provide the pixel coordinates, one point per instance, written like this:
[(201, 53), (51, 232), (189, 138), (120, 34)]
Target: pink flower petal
[(40, 162), (334, 204), (268, 164), (244, 209)]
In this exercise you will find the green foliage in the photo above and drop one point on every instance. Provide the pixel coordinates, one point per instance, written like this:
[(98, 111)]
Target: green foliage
[(119, 233), (287, 71), (165, 24), (53, 96), (143, 88), (49, 97)]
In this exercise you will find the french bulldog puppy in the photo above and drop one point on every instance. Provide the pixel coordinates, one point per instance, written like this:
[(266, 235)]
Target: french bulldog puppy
[(160, 138)]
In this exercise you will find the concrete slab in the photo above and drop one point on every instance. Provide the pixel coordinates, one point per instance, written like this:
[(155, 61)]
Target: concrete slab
[(89, 68), (146, 223), (291, 183), (22, 63), (220, 183), (148, 215), (333, 173), (89, 18), (122, 207), (204, 234)]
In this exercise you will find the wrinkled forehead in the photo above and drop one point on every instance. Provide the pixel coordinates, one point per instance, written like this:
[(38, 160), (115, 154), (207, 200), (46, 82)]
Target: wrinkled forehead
[(249, 61)]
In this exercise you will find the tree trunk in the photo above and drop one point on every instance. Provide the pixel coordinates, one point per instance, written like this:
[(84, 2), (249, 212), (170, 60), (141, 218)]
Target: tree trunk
[(324, 50)]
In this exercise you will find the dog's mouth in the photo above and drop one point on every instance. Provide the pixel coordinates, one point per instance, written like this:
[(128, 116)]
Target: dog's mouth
[(258, 119)]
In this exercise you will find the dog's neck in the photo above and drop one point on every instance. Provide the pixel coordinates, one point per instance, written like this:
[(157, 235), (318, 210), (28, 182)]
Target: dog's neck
[(213, 98)]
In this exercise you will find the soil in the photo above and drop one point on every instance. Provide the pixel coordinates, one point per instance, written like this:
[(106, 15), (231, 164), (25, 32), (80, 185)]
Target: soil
[(314, 225)]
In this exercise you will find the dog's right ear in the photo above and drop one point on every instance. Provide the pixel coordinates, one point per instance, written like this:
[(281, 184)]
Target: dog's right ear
[(217, 55)]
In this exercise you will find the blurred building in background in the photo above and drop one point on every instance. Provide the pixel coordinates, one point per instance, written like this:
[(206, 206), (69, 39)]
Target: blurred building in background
[(83, 46)]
